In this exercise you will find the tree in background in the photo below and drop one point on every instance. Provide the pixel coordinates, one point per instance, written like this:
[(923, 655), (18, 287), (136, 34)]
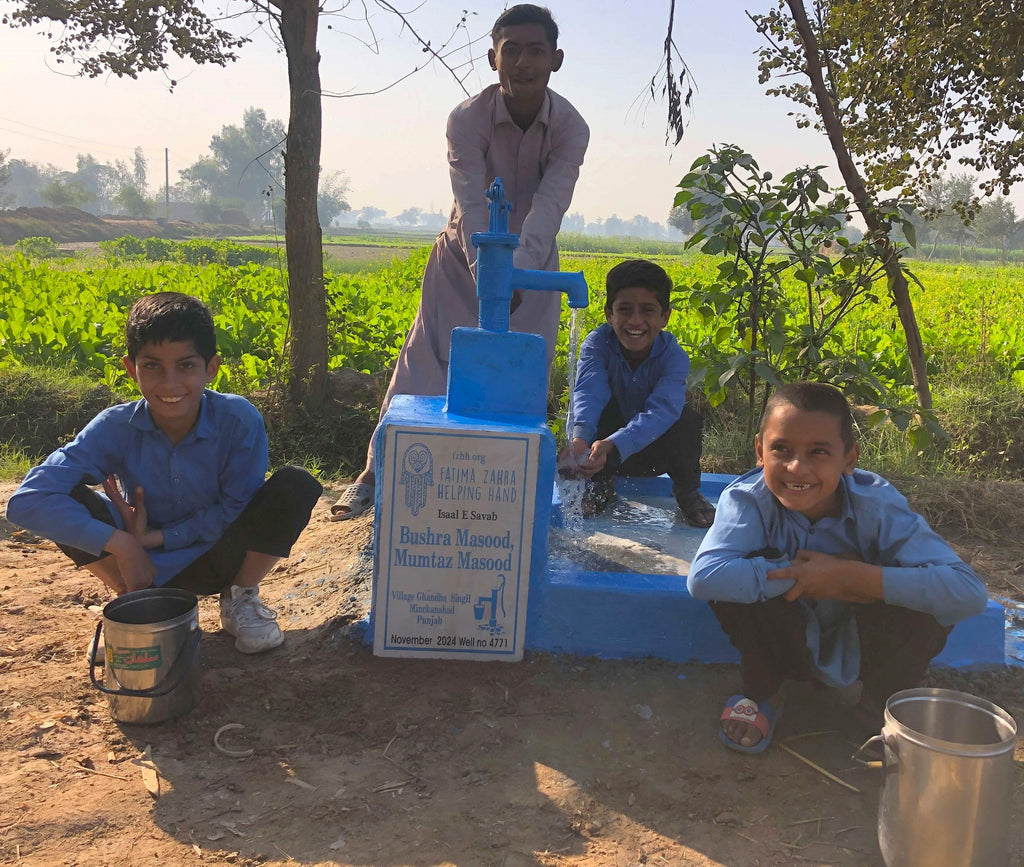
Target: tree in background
[(140, 169), (331, 199), (409, 217), (24, 182), (65, 191), (133, 202), (679, 219), (126, 38), (369, 215), (244, 162), (5, 175), (927, 82), (996, 223), (574, 222), (943, 204), (100, 180)]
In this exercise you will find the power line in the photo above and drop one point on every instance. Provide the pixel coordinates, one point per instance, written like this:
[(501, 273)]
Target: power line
[(58, 134)]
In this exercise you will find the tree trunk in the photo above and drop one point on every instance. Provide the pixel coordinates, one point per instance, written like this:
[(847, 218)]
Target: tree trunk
[(875, 224), (307, 298)]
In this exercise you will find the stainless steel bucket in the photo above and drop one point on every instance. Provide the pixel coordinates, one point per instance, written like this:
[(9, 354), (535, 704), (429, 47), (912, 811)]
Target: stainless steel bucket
[(152, 666), (945, 801)]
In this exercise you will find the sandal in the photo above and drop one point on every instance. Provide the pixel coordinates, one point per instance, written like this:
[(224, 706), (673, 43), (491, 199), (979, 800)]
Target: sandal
[(356, 499), (760, 714), (697, 510)]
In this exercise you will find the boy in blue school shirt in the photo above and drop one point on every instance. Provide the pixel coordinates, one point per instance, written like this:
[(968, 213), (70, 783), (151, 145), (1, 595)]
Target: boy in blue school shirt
[(187, 503), (631, 417), (819, 571)]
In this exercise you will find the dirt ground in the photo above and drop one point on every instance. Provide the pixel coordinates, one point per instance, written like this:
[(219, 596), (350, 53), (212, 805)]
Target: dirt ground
[(365, 761)]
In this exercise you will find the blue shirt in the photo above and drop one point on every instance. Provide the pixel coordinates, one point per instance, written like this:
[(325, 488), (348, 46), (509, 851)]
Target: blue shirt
[(753, 533), (194, 489), (650, 397)]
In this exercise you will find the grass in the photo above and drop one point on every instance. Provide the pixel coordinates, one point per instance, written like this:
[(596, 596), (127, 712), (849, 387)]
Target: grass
[(14, 463), (42, 408)]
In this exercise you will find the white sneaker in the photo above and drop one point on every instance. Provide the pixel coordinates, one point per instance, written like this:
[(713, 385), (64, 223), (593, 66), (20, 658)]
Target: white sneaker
[(101, 650), (243, 615)]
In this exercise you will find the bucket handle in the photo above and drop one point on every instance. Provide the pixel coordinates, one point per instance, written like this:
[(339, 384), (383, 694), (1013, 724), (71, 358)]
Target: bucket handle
[(186, 655), (891, 744)]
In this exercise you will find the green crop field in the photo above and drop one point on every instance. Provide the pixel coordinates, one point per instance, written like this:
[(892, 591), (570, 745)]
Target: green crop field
[(69, 314)]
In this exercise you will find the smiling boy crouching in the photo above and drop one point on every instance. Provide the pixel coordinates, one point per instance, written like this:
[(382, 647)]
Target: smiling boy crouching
[(186, 502), (820, 571)]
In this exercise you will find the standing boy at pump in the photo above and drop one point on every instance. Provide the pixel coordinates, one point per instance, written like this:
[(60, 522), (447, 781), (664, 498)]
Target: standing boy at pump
[(819, 571), (187, 501), (629, 401), (534, 140)]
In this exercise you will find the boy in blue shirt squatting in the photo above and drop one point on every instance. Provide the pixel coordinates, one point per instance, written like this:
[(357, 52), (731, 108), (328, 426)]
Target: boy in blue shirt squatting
[(820, 571), (187, 503), (629, 401)]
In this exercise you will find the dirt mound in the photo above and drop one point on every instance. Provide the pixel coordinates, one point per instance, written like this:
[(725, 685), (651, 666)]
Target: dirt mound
[(66, 225)]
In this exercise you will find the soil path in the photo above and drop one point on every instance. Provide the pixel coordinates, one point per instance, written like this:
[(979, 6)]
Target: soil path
[(365, 761)]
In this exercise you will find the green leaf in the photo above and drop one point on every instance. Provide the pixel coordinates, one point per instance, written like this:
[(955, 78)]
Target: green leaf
[(714, 244), (920, 437)]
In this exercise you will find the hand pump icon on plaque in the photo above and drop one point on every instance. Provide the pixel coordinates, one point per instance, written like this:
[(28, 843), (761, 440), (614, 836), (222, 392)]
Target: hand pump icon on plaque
[(491, 604)]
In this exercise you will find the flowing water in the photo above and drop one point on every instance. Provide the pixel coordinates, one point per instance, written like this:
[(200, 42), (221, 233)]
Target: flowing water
[(570, 490)]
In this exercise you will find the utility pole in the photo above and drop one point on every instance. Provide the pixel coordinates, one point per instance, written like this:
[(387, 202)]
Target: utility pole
[(167, 184)]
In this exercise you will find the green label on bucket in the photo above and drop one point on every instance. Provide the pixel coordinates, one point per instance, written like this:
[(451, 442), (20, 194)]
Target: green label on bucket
[(135, 658)]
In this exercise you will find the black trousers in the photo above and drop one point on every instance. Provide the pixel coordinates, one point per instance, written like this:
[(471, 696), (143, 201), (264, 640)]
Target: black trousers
[(896, 645), (676, 452), (269, 524)]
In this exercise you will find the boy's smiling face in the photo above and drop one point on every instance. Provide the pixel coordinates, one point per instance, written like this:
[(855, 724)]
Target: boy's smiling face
[(524, 60), (804, 457), (172, 376), (637, 319)]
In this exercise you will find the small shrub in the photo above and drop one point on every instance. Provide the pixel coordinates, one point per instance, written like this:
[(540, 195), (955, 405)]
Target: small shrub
[(38, 248), (197, 251)]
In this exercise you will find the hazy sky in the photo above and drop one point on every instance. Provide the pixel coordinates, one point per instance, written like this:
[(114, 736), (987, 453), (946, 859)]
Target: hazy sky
[(391, 145)]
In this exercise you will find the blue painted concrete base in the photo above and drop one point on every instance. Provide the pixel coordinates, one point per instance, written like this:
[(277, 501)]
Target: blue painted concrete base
[(626, 615), (615, 615), (623, 616)]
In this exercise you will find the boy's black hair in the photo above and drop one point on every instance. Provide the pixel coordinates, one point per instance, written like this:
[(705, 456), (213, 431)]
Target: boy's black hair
[(173, 316), (638, 272), (526, 13), (814, 397)]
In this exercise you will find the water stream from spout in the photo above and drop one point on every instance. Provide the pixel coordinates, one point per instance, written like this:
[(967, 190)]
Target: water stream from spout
[(570, 490)]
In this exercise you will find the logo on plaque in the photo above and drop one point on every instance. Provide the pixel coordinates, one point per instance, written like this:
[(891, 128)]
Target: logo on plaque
[(417, 476)]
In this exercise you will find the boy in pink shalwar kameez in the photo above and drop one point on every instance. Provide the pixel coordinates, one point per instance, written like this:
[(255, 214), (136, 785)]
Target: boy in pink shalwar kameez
[(534, 140)]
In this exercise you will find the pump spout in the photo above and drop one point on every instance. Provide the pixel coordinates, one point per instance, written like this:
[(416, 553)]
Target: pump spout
[(569, 282), (497, 278)]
